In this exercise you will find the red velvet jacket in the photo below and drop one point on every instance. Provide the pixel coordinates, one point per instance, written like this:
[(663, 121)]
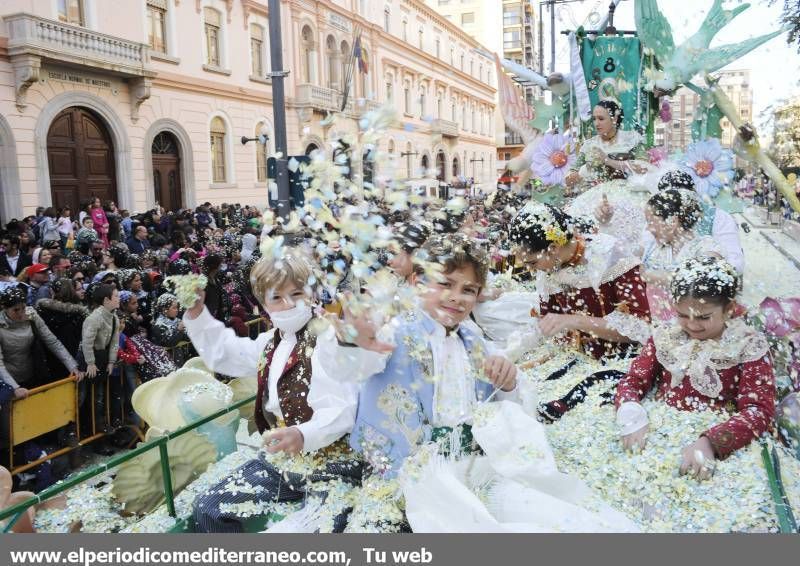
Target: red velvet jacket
[(748, 391), (626, 293)]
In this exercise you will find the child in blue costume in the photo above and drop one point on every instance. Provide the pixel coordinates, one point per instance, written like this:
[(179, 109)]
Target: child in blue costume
[(425, 371)]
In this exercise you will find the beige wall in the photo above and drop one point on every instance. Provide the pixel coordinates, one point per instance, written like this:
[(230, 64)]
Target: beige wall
[(184, 96)]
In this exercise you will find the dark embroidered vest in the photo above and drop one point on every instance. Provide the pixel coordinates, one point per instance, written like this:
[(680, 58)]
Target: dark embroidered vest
[(293, 383)]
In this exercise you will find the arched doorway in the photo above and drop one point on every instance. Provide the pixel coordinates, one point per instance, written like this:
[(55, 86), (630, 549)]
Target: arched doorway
[(425, 165), (311, 148), (80, 156), (441, 166), (456, 167), (167, 185)]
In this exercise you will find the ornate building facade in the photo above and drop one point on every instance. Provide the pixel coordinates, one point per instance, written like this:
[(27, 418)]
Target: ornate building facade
[(145, 101)]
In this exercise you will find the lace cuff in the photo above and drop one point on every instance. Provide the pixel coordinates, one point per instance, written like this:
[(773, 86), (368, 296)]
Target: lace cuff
[(629, 326), (631, 416)]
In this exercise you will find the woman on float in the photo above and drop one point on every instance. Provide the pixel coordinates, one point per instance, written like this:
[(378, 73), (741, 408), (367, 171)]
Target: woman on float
[(602, 170), (589, 286)]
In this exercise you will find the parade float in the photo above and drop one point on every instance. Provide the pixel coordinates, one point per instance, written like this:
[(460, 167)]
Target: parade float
[(574, 467)]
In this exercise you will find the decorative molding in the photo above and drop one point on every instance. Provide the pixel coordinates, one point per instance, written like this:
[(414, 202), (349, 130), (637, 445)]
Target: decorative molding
[(26, 74), (213, 88), (186, 156), (11, 195), (139, 91), (254, 7)]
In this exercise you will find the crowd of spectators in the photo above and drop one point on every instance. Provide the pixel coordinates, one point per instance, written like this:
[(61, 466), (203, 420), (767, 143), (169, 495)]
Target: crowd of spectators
[(83, 295)]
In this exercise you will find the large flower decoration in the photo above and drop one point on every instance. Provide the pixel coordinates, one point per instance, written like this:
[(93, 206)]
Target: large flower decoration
[(710, 166), (552, 158)]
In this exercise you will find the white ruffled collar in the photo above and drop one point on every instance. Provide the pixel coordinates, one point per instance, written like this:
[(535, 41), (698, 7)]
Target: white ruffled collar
[(701, 360)]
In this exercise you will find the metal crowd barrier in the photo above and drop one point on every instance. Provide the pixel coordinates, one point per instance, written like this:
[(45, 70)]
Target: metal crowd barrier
[(54, 406), (160, 443)]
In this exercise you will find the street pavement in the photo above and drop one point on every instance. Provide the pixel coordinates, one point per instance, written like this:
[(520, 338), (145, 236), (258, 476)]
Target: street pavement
[(772, 260)]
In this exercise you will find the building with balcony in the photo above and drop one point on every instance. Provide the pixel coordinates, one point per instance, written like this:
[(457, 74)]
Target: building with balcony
[(145, 101), (505, 27), (685, 103)]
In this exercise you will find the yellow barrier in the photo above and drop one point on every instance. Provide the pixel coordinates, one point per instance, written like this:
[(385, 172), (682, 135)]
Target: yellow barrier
[(50, 407), (46, 408)]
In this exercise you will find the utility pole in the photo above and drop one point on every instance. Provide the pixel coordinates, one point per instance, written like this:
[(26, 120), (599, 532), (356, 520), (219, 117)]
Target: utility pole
[(279, 107), (552, 36)]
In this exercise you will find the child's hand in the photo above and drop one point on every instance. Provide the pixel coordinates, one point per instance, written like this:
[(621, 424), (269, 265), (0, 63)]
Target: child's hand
[(289, 440), (636, 440), (20, 393), (553, 324), (698, 459), (604, 212), (501, 372), (365, 331), (140, 360)]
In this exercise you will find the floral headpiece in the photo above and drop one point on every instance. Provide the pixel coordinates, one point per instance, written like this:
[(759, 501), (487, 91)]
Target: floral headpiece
[(706, 276), (541, 216)]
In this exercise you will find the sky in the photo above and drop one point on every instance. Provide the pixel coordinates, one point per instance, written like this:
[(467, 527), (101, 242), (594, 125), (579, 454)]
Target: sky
[(775, 66)]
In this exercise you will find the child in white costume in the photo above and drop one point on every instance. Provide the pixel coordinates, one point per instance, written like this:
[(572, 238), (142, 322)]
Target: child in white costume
[(304, 409)]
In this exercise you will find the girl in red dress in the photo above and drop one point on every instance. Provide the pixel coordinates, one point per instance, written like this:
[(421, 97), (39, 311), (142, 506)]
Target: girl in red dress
[(589, 286), (704, 360)]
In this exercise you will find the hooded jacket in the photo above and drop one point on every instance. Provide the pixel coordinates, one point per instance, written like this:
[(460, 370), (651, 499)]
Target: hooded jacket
[(16, 344)]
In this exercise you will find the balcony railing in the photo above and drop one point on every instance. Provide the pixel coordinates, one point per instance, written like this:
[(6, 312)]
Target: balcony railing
[(445, 128), (33, 35), (32, 40), (321, 98)]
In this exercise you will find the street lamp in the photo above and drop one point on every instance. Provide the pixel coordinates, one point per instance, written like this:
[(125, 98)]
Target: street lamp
[(262, 138)]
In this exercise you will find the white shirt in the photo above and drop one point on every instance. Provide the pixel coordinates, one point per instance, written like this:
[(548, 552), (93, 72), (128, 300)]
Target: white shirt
[(279, 358), (725, 232), (12, 262), (454, 396), (64, 226), (334, 403)]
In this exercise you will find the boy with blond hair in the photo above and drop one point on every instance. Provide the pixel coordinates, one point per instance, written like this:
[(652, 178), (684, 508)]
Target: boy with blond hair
[(301, 406)]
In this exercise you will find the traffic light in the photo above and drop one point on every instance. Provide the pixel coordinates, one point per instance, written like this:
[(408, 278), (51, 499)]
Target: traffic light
[(298, 183)]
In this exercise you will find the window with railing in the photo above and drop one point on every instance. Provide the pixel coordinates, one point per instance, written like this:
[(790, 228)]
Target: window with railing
[(511, 19), (511, 40)]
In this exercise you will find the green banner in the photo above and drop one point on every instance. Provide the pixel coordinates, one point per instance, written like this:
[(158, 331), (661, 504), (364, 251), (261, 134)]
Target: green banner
[(612, 66)]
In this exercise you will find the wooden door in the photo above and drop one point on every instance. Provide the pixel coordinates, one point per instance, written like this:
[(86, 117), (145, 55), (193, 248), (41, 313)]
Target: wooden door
[(80, 155), (167, 171)]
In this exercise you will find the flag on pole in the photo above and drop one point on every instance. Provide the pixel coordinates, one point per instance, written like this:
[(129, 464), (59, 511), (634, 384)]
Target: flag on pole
[(358, 53)]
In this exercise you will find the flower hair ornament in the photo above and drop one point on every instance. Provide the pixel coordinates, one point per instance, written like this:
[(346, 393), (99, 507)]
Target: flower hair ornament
[(538, 220)]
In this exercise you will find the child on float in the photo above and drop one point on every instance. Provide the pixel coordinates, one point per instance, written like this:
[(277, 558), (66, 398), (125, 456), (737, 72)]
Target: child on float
[(670, 239), (303, 407), (704, 360), (426, 370), (589, 285)]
